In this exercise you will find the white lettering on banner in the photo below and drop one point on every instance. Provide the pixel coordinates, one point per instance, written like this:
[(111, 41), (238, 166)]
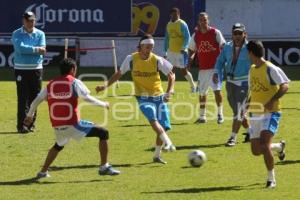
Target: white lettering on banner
[(9, 61), (284, 57), (2, 60), (46, 15)]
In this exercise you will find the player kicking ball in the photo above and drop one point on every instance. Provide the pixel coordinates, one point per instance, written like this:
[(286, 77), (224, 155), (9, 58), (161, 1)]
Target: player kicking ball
[(62, 96), (268, 83), (145, 66)]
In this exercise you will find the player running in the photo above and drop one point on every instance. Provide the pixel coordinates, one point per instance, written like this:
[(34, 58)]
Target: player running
[(145, 66), (268, 83)]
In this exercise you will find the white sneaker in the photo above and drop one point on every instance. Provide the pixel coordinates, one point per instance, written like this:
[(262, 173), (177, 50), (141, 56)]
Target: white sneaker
[(169, 148), (193, 90), (43, 175), (220, 119), (271, 184), (202, 119)]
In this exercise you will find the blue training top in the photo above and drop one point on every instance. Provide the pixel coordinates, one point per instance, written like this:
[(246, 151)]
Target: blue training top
[(224, 62), (25, 44)]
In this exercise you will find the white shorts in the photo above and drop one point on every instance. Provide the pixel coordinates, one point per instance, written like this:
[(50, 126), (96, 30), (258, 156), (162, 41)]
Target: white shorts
[(177, 59), (76, 132), (262, 122), (205, 81)]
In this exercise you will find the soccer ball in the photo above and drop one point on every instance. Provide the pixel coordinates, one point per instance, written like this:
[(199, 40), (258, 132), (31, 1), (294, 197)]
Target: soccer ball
[(197, 158)]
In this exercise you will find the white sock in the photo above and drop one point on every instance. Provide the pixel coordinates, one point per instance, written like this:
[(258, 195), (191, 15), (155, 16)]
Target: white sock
[(157, 151), (102, 167), (202, 112), (233, 135), (271, 175), (165, 138), (189, 78), (220, 110), (276, 147)]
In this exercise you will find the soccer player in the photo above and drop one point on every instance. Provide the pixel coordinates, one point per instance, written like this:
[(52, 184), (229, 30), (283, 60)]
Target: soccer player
[(145, 66), (62, 95), (176, 42), (234, 60), (268, 83), (206, 43)]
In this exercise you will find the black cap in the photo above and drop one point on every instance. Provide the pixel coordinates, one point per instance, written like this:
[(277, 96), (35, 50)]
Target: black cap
[(238, 27), (29, 16)]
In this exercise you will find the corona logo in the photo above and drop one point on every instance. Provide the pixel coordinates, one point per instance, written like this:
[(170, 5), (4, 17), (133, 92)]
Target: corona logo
[(45, 15), (145, 18)]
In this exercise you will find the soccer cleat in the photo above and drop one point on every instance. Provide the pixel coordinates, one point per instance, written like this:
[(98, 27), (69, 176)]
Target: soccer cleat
[(281, 154), (109, 171), (193, 89), (231, 142), (159, 160), (247, 137), (43, 175), (271, 184), (201, 120), (23, 130), (169, 148), (220, 119)]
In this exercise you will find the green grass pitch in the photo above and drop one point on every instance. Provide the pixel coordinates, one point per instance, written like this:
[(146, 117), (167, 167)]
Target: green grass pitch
[(229, 173)]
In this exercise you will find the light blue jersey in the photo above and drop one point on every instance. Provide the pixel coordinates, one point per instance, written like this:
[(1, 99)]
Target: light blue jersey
[(240, 71), (25, 44)]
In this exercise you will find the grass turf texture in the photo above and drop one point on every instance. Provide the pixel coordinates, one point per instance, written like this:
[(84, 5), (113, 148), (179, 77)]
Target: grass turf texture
[(229, 173)]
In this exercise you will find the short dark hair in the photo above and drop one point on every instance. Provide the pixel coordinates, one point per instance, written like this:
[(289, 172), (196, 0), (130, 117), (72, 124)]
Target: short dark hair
[(66, 65), (175, 9), (256, 47), (144, 37)]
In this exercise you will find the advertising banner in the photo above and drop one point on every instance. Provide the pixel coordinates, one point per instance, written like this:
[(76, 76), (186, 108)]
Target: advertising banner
[(68, 16), (152, 16), (55, 52)]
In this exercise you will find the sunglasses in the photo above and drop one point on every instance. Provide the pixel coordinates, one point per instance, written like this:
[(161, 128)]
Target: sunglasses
[(238, 33)]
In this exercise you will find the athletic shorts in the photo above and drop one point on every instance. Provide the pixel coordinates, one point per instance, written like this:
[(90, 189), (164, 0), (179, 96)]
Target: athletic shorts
[(263, 122), (179, 60), (237, 97), (155, 109), (205, 81), (76, 132)]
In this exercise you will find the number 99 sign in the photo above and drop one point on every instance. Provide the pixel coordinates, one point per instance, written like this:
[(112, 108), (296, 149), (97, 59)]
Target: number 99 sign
[(145, 18)]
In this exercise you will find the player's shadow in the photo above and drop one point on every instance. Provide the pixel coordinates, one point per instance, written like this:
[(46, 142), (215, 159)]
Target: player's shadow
[(208, 189), (10, 133), (298, 109), (192, 147), (134, 125), (204, 146), (199, 190), (145, 125), (288, 162), (59, 168), (31, 181)]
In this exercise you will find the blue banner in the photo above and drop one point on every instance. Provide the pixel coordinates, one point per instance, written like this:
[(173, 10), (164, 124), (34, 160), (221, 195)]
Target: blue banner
[(69, 16), (152, 16)]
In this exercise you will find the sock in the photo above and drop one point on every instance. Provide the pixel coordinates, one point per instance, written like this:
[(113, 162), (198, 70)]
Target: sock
[(233, 135), (276, 147), (165, 138), (202, 112), (189, 78), (157, 151), (220, 110), (103, 167), (271, 175)]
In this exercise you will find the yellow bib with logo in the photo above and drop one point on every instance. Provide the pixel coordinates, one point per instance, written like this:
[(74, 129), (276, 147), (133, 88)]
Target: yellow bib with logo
[(175, 36), (145, 75), (262, 90)]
